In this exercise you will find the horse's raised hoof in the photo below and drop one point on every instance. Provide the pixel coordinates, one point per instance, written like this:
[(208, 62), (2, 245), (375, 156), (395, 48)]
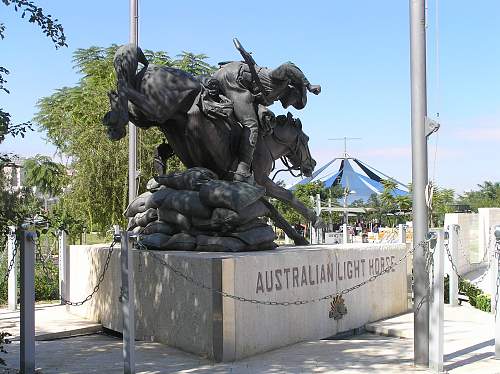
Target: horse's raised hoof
[(301, 241)]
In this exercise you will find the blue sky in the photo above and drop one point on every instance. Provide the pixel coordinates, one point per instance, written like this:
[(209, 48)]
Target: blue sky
[(358, 51)]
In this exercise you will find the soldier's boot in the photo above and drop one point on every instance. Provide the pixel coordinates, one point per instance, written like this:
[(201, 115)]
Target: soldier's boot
[(248, 142), (243, 173)]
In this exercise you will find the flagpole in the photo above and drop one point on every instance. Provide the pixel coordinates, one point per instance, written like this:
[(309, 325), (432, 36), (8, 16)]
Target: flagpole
[(419, 179), (132, 130)]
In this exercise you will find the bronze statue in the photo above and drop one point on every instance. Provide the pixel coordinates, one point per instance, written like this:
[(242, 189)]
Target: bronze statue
[(247, 86), (204, 118)]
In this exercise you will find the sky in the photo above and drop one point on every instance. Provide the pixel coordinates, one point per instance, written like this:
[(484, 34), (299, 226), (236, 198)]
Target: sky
[(357, 50)]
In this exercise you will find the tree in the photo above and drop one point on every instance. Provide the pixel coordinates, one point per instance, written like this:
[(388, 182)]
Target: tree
[(15, 206), (442, 203), (389, 208), (72, 119), (303, 193), (47, 176), (53, 30), (488, 196)]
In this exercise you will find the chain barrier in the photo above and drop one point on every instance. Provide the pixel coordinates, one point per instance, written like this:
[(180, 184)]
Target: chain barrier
[(455, 268), (429, 265), (99, 280), (43, 261), (485, 250), (11, 263), (335, 296)]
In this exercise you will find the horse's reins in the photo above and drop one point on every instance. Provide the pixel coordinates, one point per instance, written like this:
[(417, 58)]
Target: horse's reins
[(295, 150)]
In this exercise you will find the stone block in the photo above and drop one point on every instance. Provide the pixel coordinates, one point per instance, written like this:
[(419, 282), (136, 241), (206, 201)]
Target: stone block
[(174, 311)]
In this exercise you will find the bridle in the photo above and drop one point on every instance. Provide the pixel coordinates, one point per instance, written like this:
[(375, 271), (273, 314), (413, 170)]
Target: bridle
[(294, 149)]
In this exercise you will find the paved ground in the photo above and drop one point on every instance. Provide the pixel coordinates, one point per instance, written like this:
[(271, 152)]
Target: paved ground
[(484, 283), (51, 322), (469, 349), (102, 354), (469, 344)]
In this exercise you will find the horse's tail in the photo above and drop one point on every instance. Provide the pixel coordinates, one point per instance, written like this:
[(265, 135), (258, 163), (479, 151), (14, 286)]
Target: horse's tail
[(126, 61)]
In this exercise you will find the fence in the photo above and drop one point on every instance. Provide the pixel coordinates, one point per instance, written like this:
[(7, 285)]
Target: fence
[(439, 245)]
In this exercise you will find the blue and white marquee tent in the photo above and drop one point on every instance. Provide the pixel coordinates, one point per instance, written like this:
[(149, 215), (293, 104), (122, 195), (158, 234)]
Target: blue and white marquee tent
[(360, 184)]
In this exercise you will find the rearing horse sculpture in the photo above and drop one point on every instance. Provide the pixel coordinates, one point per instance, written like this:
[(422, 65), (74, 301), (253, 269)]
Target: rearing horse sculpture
[(207, 137)]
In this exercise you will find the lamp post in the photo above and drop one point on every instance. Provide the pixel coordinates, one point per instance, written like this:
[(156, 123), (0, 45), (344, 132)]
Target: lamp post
[(345, 236), (347, 192)]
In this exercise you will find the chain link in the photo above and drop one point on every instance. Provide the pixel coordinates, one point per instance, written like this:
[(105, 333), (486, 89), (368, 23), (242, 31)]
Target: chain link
[(43, 261), (455, 268), (333, 296), (99, 280), (461, 247), (11, 263)]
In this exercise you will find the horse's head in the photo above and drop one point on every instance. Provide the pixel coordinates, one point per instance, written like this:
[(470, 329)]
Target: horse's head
[(289, 131), (116, 119)]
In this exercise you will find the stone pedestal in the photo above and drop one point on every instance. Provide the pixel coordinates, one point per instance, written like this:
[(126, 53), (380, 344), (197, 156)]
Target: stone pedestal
[(174, 311)]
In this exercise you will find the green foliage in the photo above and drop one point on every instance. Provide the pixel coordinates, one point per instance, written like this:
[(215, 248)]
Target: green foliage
[(4, 341), (62, 218), (47, 176), (483, 302), (470, 290), (72, 119), (488, 196), (49, 26), (303, 193), (46, 281), (446, 289), (193, 63), (442, 201), (15, 206), (476, 296), (52, 29), (388, 209)]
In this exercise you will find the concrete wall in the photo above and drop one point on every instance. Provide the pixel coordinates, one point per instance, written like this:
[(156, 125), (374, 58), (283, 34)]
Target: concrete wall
[(474, 236), (488, 217), (168, 309), (174, 311), (469, 250)]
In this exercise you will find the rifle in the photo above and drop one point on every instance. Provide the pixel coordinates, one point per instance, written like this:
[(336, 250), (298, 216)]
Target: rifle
[(247, 57)]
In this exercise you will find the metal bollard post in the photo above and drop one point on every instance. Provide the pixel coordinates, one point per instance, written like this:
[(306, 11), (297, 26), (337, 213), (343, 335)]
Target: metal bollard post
[(127, 300), (64, 267), (453, 231), (27, 358), (12, 282), (319, 232), (345, 235), (493, 255), (436, 304), (495, 301), (312, 233), (402, 233)]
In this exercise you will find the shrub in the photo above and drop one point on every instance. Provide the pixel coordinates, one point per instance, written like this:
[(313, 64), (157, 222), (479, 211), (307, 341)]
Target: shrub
[(483, 302), (46, 281)]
